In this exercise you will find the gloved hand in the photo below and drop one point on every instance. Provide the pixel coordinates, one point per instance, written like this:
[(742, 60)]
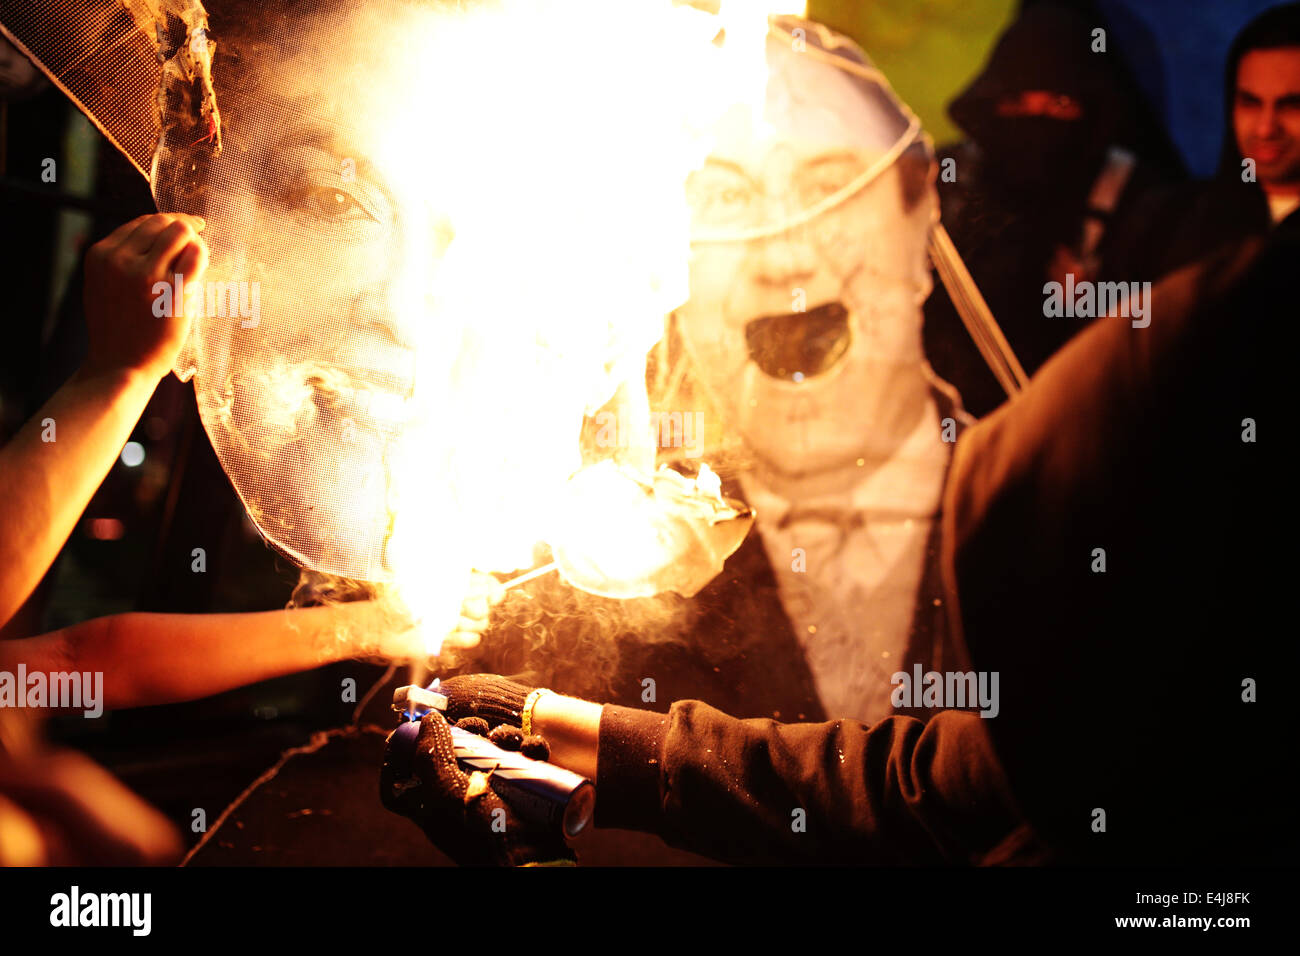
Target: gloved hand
[(497, 699), (459, 812), (532, 746)]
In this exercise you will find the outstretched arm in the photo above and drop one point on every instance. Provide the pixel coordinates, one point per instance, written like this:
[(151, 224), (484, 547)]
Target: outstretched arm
[(151, 659), (161, 658)]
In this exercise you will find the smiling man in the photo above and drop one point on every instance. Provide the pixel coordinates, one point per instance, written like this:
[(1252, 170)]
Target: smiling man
[(1257, 185), (1266, 106)]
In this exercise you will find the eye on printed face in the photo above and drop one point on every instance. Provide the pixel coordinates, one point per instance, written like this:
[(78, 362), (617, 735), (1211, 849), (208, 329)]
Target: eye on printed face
[(1266, 113), (339, 237), (323, 231)]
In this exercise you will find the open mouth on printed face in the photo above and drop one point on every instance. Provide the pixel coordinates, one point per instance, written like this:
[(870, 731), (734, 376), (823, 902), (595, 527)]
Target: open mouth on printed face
[(796, 346)]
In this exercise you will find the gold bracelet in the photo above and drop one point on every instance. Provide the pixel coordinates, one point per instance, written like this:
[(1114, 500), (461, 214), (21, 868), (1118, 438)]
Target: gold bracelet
[(526, 715)]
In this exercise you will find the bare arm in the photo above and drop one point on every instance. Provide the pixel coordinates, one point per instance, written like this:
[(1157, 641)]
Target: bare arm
[(51, 468), (572, 729), (151, 659), (160, 658), (45, 484)]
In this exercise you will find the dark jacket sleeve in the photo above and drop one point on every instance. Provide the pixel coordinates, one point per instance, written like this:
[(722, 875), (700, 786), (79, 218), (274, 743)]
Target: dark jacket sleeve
[(758, 791)]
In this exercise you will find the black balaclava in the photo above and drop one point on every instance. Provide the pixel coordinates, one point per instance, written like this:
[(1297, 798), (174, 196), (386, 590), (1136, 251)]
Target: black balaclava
[(1048, 47)]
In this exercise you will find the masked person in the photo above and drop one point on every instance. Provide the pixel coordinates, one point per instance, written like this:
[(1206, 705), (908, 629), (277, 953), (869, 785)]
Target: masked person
[(1060, 150)]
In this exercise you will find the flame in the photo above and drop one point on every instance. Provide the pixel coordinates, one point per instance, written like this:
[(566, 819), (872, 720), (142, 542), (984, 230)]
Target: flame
[(543, 159), (657, 533)]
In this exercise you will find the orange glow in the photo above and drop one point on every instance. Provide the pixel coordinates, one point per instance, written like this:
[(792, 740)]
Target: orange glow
[(106, 529)]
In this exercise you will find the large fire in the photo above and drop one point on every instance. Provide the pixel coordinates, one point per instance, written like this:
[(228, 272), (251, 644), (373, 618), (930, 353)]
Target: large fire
[(550, 155)]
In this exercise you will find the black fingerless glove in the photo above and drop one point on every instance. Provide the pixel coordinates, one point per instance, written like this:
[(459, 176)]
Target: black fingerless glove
[(496, 699)]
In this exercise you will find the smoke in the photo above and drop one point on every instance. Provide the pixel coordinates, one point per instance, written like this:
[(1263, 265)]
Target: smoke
[(566, 639)]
